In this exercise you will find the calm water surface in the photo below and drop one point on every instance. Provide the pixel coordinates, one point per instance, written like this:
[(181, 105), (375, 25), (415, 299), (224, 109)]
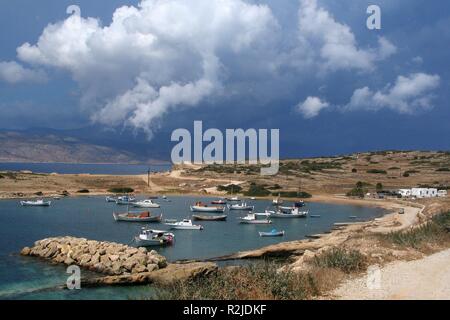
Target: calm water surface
[(80, 168), (29, 278)]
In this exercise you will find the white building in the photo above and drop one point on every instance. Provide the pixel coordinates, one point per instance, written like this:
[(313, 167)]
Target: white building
[(405, 192), (442, 193), (424, 192)]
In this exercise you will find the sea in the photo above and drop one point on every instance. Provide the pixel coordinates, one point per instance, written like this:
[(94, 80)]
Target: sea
[(91, 217), (82, 168)]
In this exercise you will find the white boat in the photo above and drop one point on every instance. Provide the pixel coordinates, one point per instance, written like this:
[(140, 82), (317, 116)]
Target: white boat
[(148, 203), (201, 207), (137, 217), (36, 203), (277, 201), (234, 199), (150, 238), (295, 213), (184, 225), (125, 200), (111, 199), (251, 219), (273, 233), (242, 206), (252, 198)]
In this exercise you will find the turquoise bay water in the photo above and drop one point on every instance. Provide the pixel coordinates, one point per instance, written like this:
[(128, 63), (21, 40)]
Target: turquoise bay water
[(91, 217)]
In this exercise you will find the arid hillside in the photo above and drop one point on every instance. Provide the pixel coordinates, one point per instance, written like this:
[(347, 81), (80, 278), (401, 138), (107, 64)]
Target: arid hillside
[(393, 169)]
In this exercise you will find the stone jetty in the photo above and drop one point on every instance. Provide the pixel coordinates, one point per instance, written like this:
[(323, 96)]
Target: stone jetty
[(119, 264), (103, 257)]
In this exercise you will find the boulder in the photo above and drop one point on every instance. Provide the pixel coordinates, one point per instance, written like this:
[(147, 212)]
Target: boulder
[(25, 251)]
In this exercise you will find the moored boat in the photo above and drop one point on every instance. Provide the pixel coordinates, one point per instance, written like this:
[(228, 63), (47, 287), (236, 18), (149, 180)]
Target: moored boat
[(148, 203), (209, 218), (273, 233), (295, 213), (277, 202), (235, 199), (110, 199), (36, 203), (150, 238), (242, 206), (220, 201), (201, 207), (125, 200), (184, 225), (251, 219), (145, 216)]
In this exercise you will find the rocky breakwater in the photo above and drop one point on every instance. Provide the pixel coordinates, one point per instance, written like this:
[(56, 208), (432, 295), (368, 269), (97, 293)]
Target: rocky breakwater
[(103, 257), (120, 264)]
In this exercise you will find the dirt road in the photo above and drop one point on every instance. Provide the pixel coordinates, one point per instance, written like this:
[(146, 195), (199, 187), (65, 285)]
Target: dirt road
[(427, 278)]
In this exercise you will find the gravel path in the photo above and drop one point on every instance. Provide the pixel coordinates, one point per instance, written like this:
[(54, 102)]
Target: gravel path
[(427, 278)]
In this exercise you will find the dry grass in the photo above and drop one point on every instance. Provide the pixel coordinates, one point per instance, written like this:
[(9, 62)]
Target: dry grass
[(258, 281)]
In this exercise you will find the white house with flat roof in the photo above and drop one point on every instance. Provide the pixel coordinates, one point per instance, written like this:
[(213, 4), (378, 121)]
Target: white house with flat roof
[(442, 193), (405, 192), (424, 192)]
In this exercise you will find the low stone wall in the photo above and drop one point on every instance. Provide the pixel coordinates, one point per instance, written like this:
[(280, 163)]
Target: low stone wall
[(104, 257)]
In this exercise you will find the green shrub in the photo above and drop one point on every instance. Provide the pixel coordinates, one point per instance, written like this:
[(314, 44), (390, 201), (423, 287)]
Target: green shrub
[(376, 171), (354, 170), (345, 260), (443, 170), (121, 190), (293, 194), (257, 191), (230, 189), (83, 191)]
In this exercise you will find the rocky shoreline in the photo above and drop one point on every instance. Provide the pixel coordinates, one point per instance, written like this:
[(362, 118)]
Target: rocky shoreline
[(118, 263)]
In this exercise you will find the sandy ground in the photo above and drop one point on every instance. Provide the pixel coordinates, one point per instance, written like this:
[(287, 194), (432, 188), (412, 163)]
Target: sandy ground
[(427, 278)]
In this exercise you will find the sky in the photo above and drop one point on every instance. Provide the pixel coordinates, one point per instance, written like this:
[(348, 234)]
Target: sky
[(133, 71)]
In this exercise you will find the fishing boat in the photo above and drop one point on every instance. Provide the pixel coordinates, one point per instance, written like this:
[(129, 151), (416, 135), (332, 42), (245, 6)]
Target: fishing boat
[(292, 214), (209, 218), (273, 233), (293, 207), (184, 225), (277, 201), (145, 216), (111, 199), (148, 203), (36, 203), (150, 238), (251, 219), (125, 200), (242, 206), (220, 201), (235, 199), (201, 207)]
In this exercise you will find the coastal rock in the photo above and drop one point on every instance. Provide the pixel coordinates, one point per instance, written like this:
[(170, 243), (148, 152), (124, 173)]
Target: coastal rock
[(25, 251), (103, 257)]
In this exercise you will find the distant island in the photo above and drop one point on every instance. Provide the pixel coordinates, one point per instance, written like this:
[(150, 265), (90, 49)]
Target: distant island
[(24, 147)]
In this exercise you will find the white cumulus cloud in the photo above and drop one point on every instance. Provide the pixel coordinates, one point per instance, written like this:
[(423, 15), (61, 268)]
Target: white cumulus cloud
[(152, 58), (409, 94), (13, 73), (311, 107), (334, 43)]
